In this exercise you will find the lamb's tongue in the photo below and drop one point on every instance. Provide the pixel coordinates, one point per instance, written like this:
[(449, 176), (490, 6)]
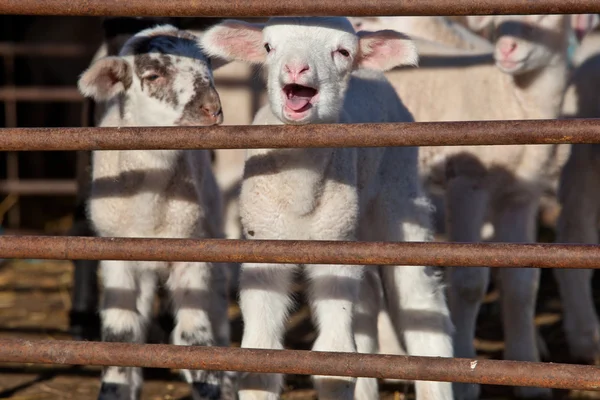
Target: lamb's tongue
[(296, 103)]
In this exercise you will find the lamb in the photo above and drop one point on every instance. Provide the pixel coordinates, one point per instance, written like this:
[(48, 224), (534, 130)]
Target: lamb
[(501, 184), (160, 78), (227, 164), (333, 194), (578, 219)]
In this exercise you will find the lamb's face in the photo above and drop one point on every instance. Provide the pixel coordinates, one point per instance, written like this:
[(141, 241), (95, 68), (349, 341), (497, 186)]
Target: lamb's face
[(309, 60), (528, 42), (308, 67), (163, 77)]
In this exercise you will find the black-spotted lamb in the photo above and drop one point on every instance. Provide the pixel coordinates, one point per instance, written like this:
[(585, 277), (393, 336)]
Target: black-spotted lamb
[(160, 78)]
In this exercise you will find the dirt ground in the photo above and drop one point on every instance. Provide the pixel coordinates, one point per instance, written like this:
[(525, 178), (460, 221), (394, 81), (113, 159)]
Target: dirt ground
[(35, 300)]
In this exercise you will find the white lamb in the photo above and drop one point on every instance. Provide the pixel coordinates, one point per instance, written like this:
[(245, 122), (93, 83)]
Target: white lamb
[(332, 194), (500, 184), (160, 78)]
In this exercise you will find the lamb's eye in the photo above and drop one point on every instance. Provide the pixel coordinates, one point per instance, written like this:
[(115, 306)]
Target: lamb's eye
[(344, 52), (152, 77), (268, 47)]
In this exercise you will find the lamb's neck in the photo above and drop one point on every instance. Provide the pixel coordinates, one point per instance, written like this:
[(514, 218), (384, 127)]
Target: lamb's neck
[(540, 91), (309, 156)]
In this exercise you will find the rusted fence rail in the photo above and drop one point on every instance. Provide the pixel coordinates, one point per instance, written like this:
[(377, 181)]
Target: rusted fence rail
[(303, 251), (304, 136), (563, 376), (55, 94), (261, 8)]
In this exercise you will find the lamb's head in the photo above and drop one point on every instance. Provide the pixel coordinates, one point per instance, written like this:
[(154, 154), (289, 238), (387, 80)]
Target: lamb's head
[(309, 60), (160, 78), (527, 43)]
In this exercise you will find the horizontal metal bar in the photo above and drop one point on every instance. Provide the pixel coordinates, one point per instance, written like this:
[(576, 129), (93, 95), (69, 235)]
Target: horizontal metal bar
[(38, 94), (258, 8), (304, 136), (42, 187), (45, 49), (302, 252), (490, 372)]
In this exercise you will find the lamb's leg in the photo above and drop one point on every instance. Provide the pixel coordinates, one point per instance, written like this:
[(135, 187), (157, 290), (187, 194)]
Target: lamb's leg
[(190, 287), (516, 223), (264, 301), (126, 306), (416, 299), (334, 292), (466, 205), (577, 224), (365, 328)]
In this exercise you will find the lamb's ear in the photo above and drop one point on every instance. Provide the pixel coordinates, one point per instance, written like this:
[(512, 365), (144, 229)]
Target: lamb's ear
[(582, 24), (215, 62), (235, 40), (384, 50), (479, 22), (105, 78)]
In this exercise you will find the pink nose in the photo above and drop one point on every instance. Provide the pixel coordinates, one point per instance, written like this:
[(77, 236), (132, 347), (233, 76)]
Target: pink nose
[(507, 46), (296, 70)]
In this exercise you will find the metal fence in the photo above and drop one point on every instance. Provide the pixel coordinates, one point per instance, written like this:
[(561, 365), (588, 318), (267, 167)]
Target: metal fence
[(440, 254), (10, 95)]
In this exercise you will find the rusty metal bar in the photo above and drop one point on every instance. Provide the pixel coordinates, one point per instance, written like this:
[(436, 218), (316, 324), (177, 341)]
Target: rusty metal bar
[(302, 251), (304, 136), (45, 49), (42, 187), (259, 8), (489, 372), (64, 94)]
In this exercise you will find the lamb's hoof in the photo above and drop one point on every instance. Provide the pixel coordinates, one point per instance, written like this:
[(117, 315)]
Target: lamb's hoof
[(205, 391), (114, 391), (466, 391), (525, 392)]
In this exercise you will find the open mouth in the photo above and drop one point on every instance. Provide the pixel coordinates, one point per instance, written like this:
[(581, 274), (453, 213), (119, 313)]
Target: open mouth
[(298, 97)]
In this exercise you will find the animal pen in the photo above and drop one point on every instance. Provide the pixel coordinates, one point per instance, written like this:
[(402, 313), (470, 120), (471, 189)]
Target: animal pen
[(512, 373)]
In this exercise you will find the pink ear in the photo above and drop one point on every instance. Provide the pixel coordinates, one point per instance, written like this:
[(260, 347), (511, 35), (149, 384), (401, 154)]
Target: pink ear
[(235, 40), (582, 24), (384, 50), (479, 22), (106, 78)]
